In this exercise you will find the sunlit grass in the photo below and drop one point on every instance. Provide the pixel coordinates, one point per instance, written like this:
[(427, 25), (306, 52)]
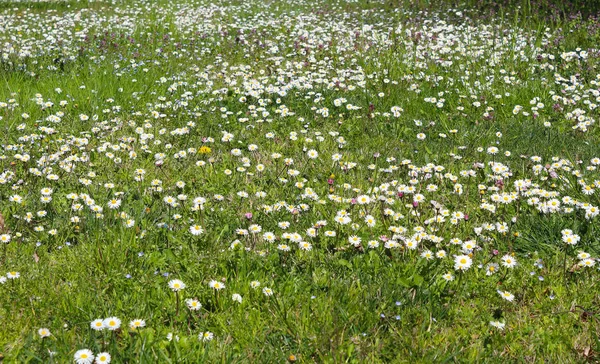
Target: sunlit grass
[(331, 181)]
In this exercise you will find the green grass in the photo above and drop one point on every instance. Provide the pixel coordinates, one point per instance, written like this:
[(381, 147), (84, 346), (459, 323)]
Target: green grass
[(133, 72)]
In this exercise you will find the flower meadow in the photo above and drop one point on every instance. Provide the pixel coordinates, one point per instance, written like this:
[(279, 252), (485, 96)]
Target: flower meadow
[(308, 181)]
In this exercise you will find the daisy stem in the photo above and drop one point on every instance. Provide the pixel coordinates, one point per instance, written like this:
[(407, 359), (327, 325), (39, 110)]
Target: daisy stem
[(176, 304), (202, 218), (168, 226), (459, 283), (217, 299), (3, 253), (189, 321), (565, 266)]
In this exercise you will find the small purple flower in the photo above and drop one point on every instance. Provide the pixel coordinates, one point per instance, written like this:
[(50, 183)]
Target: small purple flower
[(248, 215)]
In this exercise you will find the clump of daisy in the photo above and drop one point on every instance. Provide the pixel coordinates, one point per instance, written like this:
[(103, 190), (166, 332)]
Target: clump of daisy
[(462, 262), (112, 323), (103, 358), (506, 295), (569, 237), (176, 285), (97, 325), (84, 356), (136, 324), (170, 337), (491, 268), (43, 332), (196, 230), (587, 262), (509, 261), (205, 336), (236, 297), (497, 324), (216, 285), (448, 277), (193, 304)]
